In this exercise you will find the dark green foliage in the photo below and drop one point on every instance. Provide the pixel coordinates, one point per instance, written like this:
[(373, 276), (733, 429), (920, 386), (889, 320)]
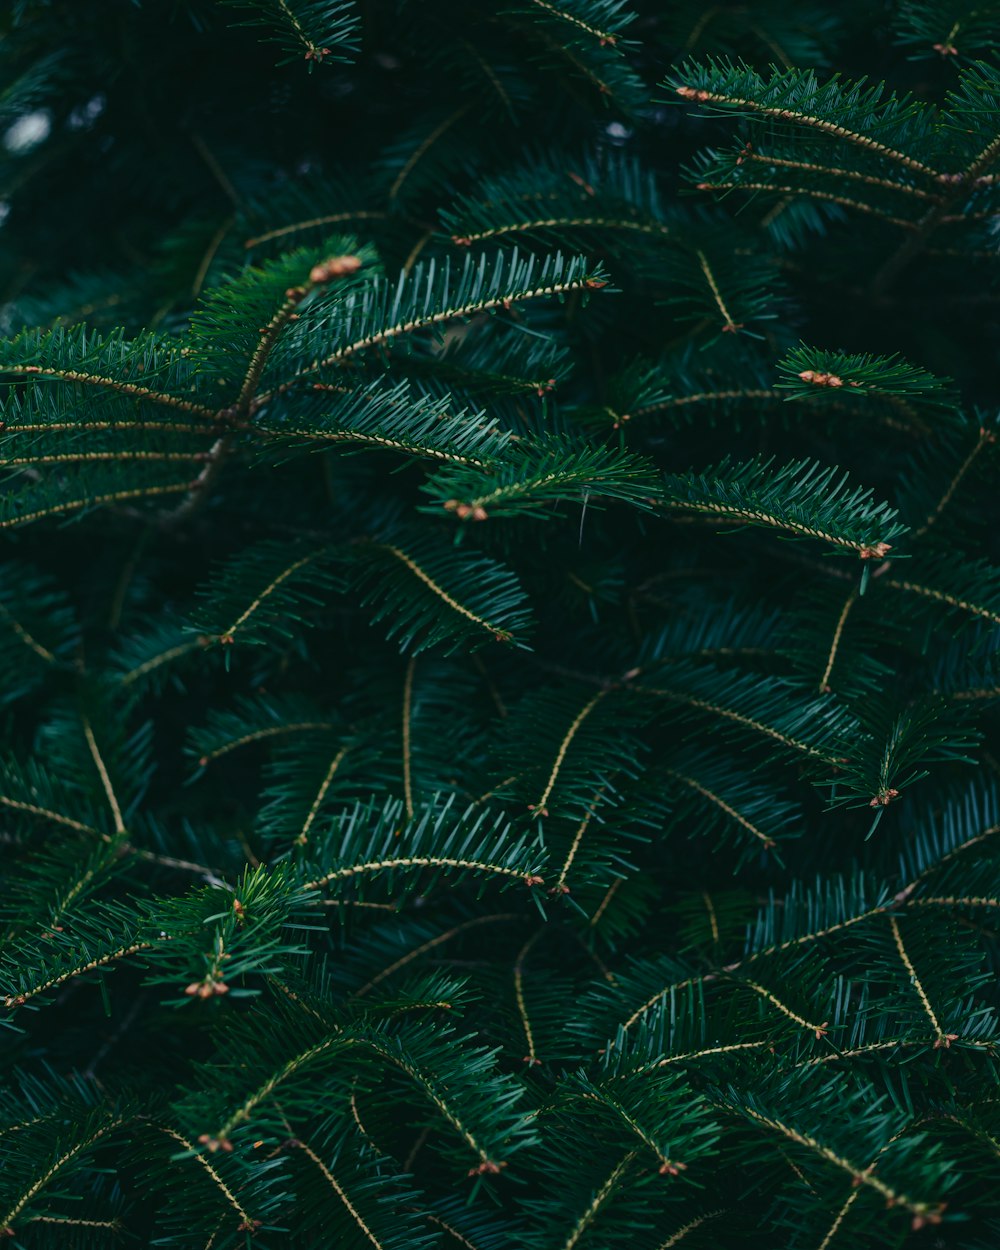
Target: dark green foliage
[(499, 603)]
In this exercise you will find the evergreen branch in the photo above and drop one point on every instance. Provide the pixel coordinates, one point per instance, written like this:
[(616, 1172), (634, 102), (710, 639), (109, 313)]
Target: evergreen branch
[(430, 296), (564, 746), (432, 944), (730, 324), (118, 457), (407, 731), (849, 113), (414, 861), (818, 1030), (675, 1238), (972, 591), (260, 591), (114, 384), (320, 276), (93, 501), (417, 155), (167, 656), (522, 1008), (530, 225), (834, 171), (258, 735), (471, 841), (801, 498), (328, 219), (545, 475), (614, 15), (397, 420), (102, 771), (7, 1221), (838, 633), (862, 1176), (811, 373), (317, 803), (192, 1151), (433, 567), (986, 439), (44, 813), (338, 1189), (78, 970), (813, 193), (942, 1038), (121, 426), (578, 837), (815, 728), (599, 1199), (308, 29), (30, 642), (728, 810)]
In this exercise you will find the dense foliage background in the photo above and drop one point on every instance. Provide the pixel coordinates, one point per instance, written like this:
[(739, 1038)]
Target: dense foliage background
[(498, 616)]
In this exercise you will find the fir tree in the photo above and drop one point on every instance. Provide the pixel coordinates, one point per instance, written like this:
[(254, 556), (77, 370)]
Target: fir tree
[(499, 612)]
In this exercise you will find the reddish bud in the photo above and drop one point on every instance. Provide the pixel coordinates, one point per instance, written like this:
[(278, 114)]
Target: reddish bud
[(487, 1167), (335, 267)]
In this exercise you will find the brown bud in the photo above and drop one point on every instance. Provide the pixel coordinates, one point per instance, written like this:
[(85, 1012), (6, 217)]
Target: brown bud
[(884, 798), (335, 267), (487, 1167), (533, 881), (877, 551), (461, 240), (668, 1168)]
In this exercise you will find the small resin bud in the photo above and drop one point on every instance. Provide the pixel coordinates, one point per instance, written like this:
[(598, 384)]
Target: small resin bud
[(487, 1168), (884, 798), (533, 881), (877, 551), (335, 267)]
